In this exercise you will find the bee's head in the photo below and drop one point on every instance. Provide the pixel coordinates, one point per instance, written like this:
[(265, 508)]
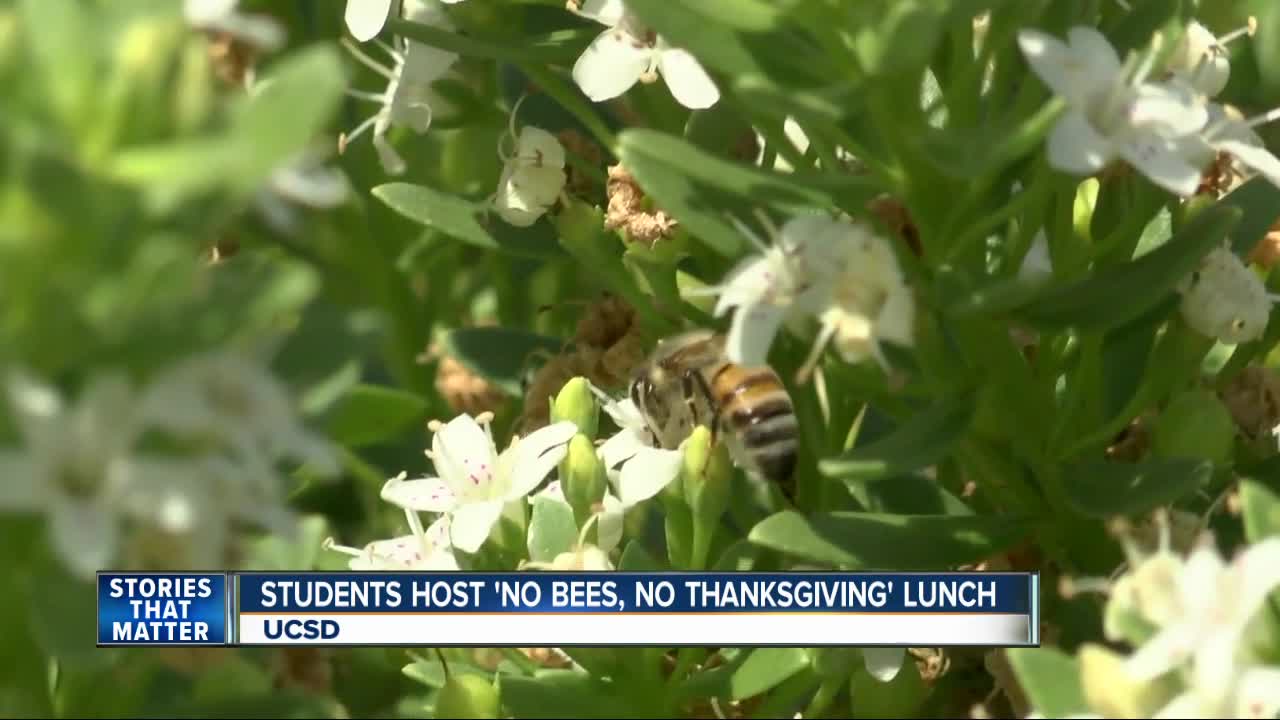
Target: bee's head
[(644, 393)]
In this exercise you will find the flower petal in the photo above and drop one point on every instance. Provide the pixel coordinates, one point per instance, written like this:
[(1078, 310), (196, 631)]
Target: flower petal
[(1258, 571), (1161, 162), (609, 526), (538, 145), (624, 413), (464, 455), (422, 495), (883, 663), (536, 455), (1091, 46), (689, 83), (611, 65), (365, 18), (84, 534), (470, 524), (1258, 693), (1169, 109), (1071, 71), (621, 447), (646, 474), (1076, 147), (752, 331), (1164, 651), (605, 12)]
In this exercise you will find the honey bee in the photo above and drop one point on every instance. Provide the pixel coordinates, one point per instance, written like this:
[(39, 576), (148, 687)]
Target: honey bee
[(689, 381)]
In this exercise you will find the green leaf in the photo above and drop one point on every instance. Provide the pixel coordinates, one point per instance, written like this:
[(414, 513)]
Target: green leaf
[(1266, 43), (1135, 28), (1102, 489), (552, 529), (1119, 293), (63, 616), (499, 355), (922, 440), (467, 221), (370, 414), (699, 188), (636, 559), (292, 105), (911, 494), (904, 37), (61, 36), (1050, 679), (1259, 200), (765, 669), (566, 694), (1261, 509), (866, 541)]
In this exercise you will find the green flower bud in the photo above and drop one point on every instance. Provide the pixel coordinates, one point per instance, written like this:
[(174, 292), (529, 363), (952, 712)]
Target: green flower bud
[(707, 475), (576, 404), (1195, 424), (1109, 689), (468, 696), (584, 478)]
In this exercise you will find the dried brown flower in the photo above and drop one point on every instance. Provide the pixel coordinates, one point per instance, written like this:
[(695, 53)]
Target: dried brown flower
[(628, 210), (1253, 399)]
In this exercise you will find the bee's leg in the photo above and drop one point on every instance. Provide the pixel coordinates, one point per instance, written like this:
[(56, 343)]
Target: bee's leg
[(687, 382)]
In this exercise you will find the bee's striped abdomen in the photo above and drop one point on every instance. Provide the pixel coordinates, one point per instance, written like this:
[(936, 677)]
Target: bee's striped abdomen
[(755, 406)]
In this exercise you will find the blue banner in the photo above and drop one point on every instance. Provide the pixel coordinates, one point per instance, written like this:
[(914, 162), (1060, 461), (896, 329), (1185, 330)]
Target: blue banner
[(163, 609), (673, 592)]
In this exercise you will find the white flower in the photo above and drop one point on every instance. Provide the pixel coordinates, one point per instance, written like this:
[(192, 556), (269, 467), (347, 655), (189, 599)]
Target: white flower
[(405, 101), (532, 177), (1201, 60), (366, 18), (870, 303), (420, 550), (784, 281), (473, 481), (221, 16), (1224, 299), (1112, 112), (636, 466), (1230, 133), (629, 52), (75, 467), (225, 396), (1201, 608)]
